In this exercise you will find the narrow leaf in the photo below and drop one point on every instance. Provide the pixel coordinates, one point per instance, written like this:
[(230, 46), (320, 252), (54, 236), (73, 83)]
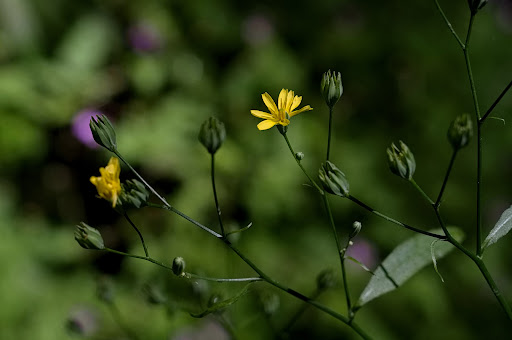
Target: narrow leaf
[(239, 230), (222, 304), (501, 228), (360, 264), (433, 253), (403, 262)]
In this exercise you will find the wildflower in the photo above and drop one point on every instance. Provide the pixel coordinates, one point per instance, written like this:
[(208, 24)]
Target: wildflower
[(401, 160), (333, 180), (88, 237), (108, 184), (331, 87), (280, 114), (460, 131)]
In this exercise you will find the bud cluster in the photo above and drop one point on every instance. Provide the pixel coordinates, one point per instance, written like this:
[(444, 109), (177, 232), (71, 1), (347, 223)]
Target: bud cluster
[(88, 237), (331, 87), (212, 134), (103, 132), (401, 160), (333, 180), (460, 131)]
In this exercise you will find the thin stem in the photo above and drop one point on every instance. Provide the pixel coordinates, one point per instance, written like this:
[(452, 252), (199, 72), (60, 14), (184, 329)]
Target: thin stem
[(387, 218), (298, 314), (479, 190), (450, 27), (502, 94), (329, 135), (138, 232), (142, 179), (149, 259), (215, 196), (420, 190), (341, 254), (300, 165), (176, 211), (214, 279), (445, 181)]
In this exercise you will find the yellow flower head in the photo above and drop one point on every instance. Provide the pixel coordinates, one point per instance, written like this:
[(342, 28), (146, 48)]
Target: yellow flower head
[(108, 184), (280, 114)]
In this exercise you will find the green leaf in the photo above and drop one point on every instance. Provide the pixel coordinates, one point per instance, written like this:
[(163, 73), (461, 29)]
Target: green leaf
[(434, 261), (359, 263), (403, 262), (501, 228), (222, 304)]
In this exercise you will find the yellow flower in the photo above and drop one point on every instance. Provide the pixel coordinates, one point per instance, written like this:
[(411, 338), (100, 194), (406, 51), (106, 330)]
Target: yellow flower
[(108, 184), (280, 114)]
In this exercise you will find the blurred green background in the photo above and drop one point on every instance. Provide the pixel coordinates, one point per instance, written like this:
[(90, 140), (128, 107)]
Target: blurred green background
[(158, 69)]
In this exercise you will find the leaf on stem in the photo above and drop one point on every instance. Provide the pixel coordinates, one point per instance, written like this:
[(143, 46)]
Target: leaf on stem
[(501, 228), (403, 262), (359, 264), (434, 261), (239, 230), (222, 304)]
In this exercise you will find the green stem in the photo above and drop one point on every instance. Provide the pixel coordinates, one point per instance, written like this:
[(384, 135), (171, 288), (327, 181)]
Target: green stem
[(138, 232), (149, 259), (341, 255), (425, 196), (450, 27), (300, 165), (298, 314), (215, 196), (387, 218), (484, 117), (445, 181), (214, 279), (329, 135)]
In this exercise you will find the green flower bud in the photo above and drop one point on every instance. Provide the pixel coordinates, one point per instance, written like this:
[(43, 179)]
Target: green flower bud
[(212, 134), (476, 5), (133, 194), (401, 160), (326, 279), (460, 131), (333, 180), (356, 228), (88, 237), (178, 266), (299, 156), (103, 132), (331, 87)]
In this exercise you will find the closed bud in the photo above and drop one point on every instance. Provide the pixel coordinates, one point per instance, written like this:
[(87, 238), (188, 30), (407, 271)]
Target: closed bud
[(331, 87), (356, 228), (178, 266), (401, 160), (88, 237), (299, 156), (212, 134), (333, 180), (326, 279), (476, 5), (460, 131), (133, 194), (103, 132)]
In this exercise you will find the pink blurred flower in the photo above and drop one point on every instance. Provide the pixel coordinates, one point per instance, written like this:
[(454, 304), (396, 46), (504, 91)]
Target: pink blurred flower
[(257, 29), (80, 127), (144, 37), (363, 251)]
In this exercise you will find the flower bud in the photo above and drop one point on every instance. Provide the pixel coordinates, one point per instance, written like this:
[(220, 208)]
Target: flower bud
[(333, 180), (133, 194), (460, 131), (401, 160), (331, 87), (476, 5), (88, 237), (103, 132), (212, 134), (356, 228), (178, 266), (326, 279), (299, 156)]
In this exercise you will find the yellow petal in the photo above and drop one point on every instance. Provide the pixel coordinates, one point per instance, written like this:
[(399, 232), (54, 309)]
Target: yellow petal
[(94, 180), (289, 101), (269, 102), (305, 108), (266, 124), (282, 98), (296, 102), (261, 114)]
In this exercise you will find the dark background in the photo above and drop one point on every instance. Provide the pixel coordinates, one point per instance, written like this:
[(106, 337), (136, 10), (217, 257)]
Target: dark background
[(158, 69)]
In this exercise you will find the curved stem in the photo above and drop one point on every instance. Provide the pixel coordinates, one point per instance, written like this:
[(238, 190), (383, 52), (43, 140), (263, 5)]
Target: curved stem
[(450, 27), (138, 232), (214, 279), (420, 190), (300, 165), (445, 181), (149, 259), (329, 135), (484, 117), (341, 254), (298, 314), (387, 218), (215, 196)]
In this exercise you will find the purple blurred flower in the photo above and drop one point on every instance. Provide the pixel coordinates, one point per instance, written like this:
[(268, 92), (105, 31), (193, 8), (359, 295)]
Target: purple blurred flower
[(83, 321), (80, 127), (363, 251), (257, 29), (144, 37)]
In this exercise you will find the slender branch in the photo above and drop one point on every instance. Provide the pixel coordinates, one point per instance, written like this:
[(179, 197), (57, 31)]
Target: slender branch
[(329, 135), (298, 314), (450, 27), (341, 254), (214, 279), (420, 190), (300, 165), (479, 190), (149, 259), (215, 196), (387, 218), (502, 94), (138, 232), (445, 181)]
